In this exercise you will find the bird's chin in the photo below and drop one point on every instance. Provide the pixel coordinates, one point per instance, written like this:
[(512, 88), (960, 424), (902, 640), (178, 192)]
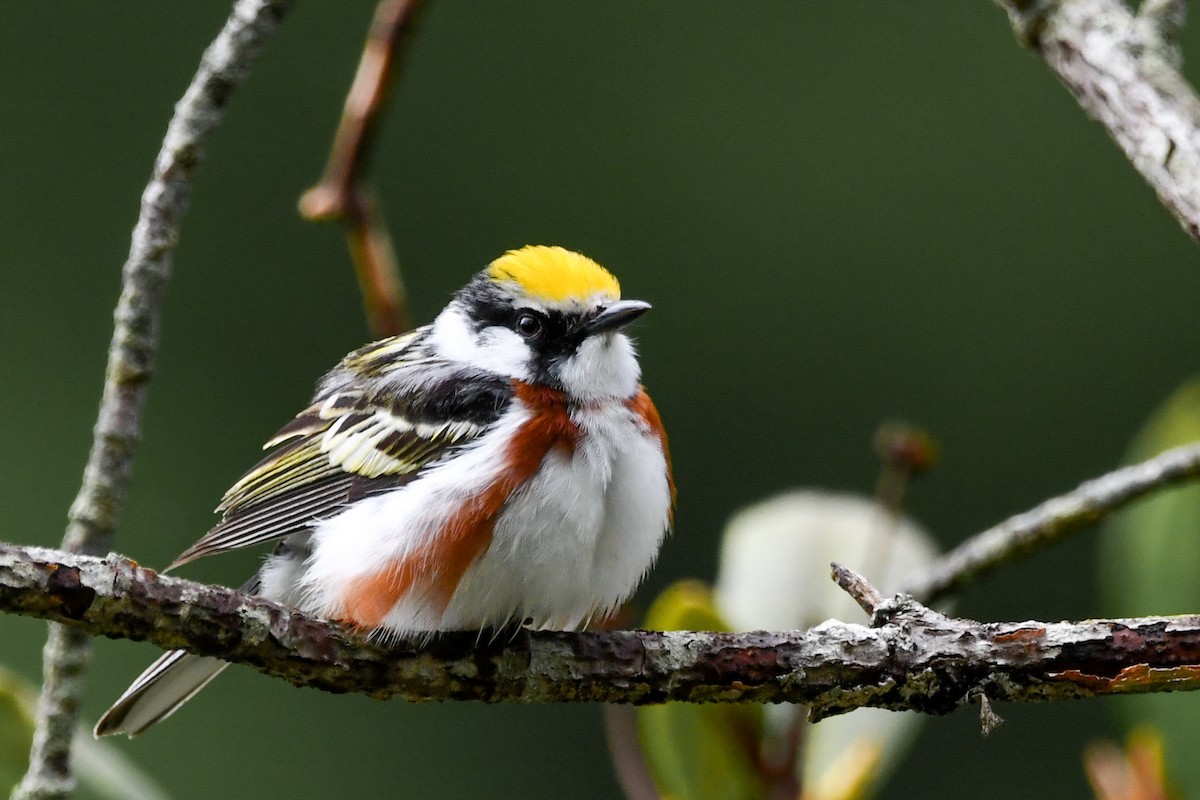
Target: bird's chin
[(604, 366)]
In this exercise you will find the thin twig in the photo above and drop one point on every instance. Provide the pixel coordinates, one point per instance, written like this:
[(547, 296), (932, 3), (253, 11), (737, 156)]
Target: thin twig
[(905, 451), (911, 658), (342, 194), (97, 508), (855, 585), (625, 750), (1123, 69), (1053, 521)]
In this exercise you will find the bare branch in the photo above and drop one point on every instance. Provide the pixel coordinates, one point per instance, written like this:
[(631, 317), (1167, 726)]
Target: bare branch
[(914, 658), (342, 194), (625, 750), (1053, 520), (1124, 71), (97, 507), (867, 596)]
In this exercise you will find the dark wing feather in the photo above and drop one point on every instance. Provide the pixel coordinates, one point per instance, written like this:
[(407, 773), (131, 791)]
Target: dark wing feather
[(353, 442)]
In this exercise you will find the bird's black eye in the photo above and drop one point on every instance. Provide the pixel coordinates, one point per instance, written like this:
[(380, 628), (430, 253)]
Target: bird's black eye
[(529, 325)]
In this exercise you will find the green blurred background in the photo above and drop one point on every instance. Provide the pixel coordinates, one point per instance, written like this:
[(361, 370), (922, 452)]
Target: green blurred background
[(842, 213)]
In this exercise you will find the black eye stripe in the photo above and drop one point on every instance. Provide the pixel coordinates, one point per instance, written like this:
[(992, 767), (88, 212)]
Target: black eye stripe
[(533, 324), (560, 332)]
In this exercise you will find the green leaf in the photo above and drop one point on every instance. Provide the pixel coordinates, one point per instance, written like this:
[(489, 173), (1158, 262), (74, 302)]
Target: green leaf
[(1150, 553), (102, 771), (1149, 564), (16, 730), (699, 752)]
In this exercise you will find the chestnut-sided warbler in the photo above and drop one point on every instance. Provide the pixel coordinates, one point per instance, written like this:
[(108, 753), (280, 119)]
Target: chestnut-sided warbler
[(500, 465)]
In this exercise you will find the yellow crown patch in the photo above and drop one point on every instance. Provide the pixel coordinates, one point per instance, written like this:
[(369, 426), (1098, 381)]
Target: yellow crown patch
[(554, 274)]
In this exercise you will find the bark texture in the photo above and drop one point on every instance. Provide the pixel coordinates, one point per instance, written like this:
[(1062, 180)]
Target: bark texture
[(1123, 69), (909, 658)]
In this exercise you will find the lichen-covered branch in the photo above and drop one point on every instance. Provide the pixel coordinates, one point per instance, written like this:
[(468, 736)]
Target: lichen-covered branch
[(97, 507), (911, 657), (1053, 521), (1123, 68)]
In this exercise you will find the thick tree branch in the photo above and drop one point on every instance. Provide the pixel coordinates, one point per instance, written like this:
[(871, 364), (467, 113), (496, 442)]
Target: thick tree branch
[(912, 657), (97, 507), (1124, 71), (1053, 520)]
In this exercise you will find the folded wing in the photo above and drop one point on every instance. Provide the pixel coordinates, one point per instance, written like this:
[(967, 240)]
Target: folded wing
[(355, 440)]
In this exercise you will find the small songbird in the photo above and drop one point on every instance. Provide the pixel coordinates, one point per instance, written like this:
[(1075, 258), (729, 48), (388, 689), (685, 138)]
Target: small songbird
[(502, 465)]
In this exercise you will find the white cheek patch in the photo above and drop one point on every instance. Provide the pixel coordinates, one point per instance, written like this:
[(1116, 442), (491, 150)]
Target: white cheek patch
[(505, 352), (494, 349)]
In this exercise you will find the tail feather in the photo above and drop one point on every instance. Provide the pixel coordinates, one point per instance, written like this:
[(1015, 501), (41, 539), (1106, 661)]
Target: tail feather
[(158, 692)]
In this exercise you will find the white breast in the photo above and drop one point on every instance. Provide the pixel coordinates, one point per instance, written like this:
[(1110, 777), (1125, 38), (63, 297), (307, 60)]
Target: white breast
[(578, 538), (378, 530), (573, 542)]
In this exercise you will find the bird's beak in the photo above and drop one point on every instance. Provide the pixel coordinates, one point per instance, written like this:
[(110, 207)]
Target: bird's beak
[(616, 316)]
